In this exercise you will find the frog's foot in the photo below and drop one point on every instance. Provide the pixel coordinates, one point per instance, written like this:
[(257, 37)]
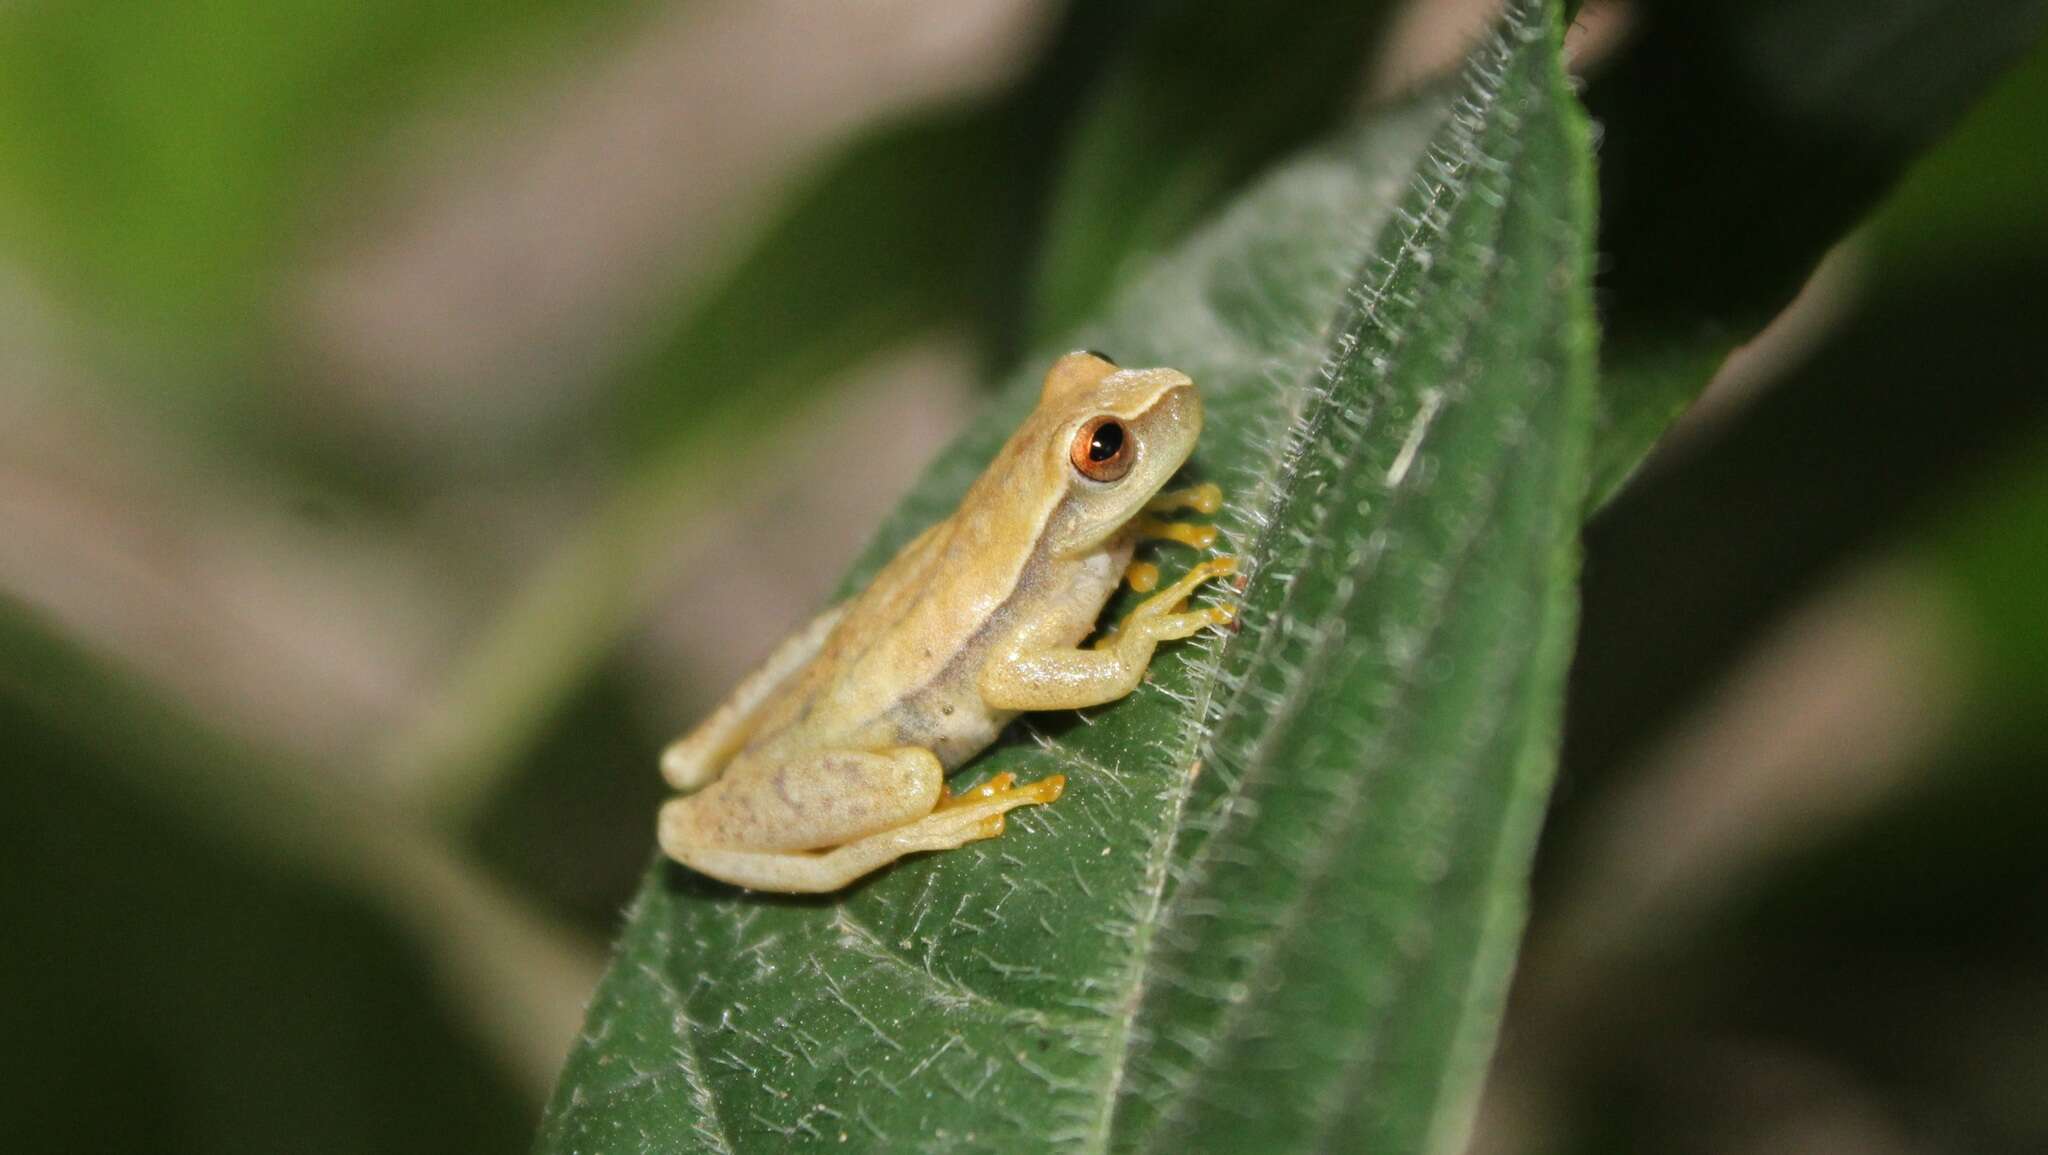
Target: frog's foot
[(1205, 498), (980, 809), (996, 784), (1003, 786), (1142, 576), (1163, 616)]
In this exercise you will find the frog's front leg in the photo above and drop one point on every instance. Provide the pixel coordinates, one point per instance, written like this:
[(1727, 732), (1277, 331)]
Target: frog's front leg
[(1029, 675), (818, 822)]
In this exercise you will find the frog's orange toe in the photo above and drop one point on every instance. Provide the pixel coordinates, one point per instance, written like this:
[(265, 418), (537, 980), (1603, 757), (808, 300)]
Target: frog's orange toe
[(1204, 498), (1185, 532), (1002, 788), (979, 793), (974, 814)]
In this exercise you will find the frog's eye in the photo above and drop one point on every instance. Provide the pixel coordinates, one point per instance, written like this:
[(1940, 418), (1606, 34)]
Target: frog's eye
[(1102, 450)]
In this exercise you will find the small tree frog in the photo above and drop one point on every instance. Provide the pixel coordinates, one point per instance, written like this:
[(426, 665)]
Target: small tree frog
[(830, 760)]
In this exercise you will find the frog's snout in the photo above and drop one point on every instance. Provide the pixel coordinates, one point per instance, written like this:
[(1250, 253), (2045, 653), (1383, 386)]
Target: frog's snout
[(1178, 406), (1174, 383)]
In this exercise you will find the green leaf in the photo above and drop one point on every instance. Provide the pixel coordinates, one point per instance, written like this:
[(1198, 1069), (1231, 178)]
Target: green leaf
[(1976, 199), (157, 157), (1277, 907), (1768, 507), (1765, 508), (1743, 139)]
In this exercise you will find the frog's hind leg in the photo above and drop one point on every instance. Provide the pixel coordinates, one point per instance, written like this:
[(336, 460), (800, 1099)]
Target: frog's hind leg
[(822, 873), (807, 801), (747, 839)]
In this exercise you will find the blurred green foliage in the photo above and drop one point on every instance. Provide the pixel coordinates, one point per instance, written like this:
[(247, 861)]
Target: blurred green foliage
[(196, 965), (157, 160), (1164, 135), (188, 971), (1884, 971)]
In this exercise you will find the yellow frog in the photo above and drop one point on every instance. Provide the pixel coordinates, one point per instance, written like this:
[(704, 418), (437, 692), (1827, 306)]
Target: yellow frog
[(830, 760)]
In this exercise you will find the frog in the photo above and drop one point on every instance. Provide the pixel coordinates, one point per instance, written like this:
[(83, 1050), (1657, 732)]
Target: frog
[(830, 760)]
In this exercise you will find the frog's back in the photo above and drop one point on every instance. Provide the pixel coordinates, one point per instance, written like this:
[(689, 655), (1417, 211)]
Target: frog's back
[(918, 629)]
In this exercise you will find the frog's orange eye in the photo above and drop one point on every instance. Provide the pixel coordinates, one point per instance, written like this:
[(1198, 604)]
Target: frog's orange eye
[(1102, 450)]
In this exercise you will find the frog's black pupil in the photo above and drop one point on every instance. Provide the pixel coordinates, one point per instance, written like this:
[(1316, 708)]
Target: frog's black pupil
[(1108, 439)]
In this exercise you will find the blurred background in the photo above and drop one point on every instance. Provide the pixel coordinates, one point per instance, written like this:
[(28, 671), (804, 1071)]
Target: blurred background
[(414, 414)]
